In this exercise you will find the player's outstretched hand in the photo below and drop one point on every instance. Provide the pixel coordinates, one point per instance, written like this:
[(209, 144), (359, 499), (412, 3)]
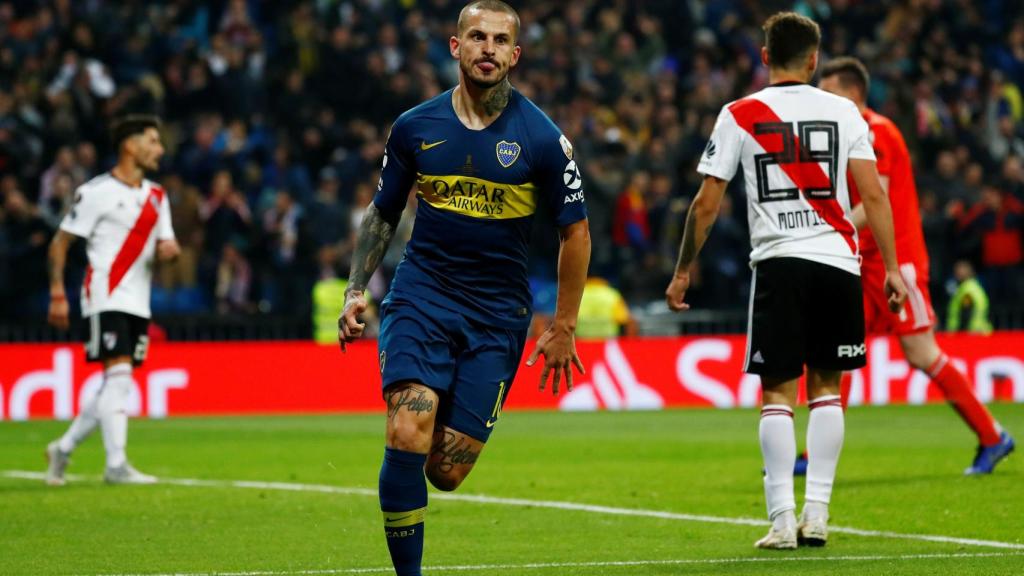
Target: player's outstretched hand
[(349, 326), (58, 313), (895, 291), (558, 345), (676, 291)]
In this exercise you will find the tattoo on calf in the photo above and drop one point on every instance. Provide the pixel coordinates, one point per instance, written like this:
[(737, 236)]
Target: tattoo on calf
[(414, 400), (453, 450)]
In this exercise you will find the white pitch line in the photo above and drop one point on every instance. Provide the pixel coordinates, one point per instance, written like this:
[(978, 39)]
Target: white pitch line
[(606, 564), (550, 504)]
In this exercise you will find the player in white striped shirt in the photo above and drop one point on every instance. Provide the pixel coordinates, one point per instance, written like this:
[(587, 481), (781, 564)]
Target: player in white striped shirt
[(795, 144), (125, 220)]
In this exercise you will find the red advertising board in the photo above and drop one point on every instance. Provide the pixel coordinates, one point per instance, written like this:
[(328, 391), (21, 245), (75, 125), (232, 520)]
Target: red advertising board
[(50, 381)]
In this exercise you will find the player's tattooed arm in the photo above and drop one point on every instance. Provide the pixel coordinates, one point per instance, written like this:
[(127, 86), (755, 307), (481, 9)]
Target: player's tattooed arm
[(374, 237), (496, 101), (688, 249), (700, 219)]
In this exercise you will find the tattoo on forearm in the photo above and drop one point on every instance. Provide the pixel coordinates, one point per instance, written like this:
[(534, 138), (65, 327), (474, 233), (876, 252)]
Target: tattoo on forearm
[(56, 271), (688, 250), (690, 244), (375, 234), (498, 98), (55, 258), (413, 399), (452, 451)]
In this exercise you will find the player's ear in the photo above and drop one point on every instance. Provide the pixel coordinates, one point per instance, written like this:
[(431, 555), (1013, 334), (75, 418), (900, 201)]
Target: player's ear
[(453, 47), (764, 56), (812, 64), (515, 56)]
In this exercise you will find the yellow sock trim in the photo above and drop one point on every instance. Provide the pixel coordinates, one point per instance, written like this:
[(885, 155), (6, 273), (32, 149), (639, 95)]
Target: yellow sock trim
[(403, 519)]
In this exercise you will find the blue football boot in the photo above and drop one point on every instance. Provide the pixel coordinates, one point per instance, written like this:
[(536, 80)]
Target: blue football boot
[(988, 456)]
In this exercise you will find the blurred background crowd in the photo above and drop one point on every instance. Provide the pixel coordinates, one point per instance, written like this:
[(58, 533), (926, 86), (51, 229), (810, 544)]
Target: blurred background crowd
[(276, 115)]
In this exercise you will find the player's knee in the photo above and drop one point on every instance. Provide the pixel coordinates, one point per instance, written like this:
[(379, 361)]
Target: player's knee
[(444, 481), (409, 435), (920, 353)]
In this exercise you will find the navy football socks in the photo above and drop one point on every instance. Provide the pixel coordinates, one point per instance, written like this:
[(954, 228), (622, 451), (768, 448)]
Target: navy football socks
[(403, 500)]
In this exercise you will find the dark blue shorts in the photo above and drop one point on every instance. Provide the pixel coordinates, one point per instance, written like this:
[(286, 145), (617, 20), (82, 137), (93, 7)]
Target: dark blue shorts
[(470, 365)]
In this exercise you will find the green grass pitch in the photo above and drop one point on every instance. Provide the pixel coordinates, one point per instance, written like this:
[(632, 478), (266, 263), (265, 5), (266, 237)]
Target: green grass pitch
[(900, 473)]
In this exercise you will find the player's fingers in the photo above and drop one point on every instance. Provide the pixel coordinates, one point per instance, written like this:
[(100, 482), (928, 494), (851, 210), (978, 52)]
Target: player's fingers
[(544, 376), (568, 378), (578, 363), (675, 302), (357, 330), (533, 359), (351, 321), (555, 380), (341, 341)]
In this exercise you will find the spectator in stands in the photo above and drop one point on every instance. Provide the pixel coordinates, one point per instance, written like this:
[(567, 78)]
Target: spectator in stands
[(26, 245), (603, 312), (998, 221), (234, 280), (273, 92), (968, 308)]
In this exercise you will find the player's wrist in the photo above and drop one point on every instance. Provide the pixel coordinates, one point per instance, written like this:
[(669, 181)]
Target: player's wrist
[(58, 296), (563, 327)]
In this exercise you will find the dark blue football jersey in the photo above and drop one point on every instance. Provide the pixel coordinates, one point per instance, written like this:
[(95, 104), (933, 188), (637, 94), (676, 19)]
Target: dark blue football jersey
[(478, 191)]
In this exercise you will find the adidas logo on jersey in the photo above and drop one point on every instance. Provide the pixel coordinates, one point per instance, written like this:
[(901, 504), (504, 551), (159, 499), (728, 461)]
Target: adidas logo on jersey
[(613, 386), (757, 357)]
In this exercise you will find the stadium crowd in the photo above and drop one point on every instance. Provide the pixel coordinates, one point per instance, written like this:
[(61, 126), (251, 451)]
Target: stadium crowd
[(276, 114)]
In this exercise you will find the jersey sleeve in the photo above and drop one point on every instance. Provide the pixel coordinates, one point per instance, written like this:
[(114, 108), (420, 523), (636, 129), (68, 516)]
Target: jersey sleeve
[(164, 227), (559, 179), (721, 156), (884, 149), (86, 211), (860, 137), (398, 170)]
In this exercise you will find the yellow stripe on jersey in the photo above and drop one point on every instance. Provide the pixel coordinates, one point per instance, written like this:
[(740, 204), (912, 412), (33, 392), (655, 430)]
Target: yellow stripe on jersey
[(403, 519), (476, 197)]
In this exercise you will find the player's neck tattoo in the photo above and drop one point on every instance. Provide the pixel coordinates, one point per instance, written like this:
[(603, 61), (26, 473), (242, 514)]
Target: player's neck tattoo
[(497, 99)]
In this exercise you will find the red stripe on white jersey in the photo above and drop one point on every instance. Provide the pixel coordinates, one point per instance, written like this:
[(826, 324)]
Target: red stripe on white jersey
[(751, 111), (88, 282), (137, 237)]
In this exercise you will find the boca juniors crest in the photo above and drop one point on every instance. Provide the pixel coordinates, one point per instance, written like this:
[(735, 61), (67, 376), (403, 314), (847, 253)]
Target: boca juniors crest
[(508, 152)]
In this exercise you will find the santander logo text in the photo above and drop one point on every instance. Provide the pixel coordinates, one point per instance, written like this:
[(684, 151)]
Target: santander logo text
[(651, 374), (58, 381), (54, 381)]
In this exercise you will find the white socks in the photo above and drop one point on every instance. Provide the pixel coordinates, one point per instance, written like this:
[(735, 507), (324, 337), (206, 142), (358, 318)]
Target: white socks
[(113, 411), (81, 426), (109, 409), (825, 433), (778, 446)]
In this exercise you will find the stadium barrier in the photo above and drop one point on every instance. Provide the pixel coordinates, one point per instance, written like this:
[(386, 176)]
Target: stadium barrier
[(53, 380)]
